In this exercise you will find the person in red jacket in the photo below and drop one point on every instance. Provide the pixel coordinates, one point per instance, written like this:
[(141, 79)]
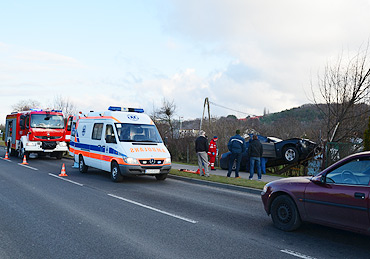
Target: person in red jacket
[(212, 152)]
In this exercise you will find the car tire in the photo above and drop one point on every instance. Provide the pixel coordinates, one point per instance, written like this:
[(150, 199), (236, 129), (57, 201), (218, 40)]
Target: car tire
[(234, 166), (290, 154), (284, 213), (116, 173), (82, 167), (161, 177)]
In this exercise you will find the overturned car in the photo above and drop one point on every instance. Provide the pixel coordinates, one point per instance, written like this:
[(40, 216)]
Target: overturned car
[(276, 152)]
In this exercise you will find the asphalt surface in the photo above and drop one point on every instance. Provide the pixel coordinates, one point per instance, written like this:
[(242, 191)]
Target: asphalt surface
[(88, 216)]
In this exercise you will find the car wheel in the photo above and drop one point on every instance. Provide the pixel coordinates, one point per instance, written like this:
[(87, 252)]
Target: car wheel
[(161, 177), (234, 166), (290, 154), (284, 213), (116, 173), (82, 167)]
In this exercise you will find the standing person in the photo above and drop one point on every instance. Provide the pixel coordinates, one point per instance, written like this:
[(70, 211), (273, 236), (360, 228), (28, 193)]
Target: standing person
[(212, 152), (255, 151), (201, 147), (236, 146)]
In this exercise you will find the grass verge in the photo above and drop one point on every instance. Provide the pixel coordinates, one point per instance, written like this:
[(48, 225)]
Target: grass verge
[(222, 179)]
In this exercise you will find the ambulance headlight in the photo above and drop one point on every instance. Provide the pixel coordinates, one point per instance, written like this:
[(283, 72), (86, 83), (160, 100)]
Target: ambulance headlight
[(131, 160), (167, 160)]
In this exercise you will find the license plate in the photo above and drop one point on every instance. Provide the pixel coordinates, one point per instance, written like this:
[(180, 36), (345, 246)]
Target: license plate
[(152, 171)]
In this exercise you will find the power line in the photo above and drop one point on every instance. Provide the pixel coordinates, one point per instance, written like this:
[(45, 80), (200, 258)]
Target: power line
[(215, 104)]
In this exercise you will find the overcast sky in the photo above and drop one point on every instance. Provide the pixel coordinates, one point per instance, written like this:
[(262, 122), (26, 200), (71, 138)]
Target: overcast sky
[(244, 55)]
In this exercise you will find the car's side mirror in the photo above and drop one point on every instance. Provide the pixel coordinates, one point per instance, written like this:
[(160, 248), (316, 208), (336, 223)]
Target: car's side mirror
[(319, 179)]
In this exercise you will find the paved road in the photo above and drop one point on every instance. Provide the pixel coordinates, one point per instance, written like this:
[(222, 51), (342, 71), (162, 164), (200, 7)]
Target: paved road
[(88, 216)]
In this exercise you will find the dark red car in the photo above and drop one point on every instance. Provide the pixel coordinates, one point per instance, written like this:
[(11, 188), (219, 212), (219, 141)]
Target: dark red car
[(337, 197)]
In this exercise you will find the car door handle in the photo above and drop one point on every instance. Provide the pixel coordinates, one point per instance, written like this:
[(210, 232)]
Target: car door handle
[(359, 195)]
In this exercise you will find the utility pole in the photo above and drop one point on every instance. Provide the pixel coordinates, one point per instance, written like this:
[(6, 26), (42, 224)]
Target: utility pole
[(206, 103)]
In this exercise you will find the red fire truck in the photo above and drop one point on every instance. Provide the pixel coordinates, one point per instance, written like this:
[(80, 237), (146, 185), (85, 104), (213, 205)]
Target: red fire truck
[(35, 131)]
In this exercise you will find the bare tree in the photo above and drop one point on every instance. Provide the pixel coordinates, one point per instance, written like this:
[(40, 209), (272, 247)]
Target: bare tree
[(166, 115), (65, 105), (345, 89), (25, 105)]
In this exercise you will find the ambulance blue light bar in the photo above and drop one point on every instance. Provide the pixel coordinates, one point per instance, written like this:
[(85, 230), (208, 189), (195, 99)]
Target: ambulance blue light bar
[(124, 109)]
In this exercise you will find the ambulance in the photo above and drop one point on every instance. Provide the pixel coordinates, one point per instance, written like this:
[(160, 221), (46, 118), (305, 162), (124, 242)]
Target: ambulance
[(122, 141)]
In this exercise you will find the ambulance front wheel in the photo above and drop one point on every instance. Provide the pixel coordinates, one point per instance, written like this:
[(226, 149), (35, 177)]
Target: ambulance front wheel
[(82, 167), (161, 177), (116, 173)]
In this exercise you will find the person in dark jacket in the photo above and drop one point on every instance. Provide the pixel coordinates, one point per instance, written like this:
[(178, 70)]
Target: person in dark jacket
[(201, 148), (236, 146), (255, 151)]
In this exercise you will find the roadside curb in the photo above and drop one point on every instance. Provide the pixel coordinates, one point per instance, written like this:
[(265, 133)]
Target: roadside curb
[(215, 184)]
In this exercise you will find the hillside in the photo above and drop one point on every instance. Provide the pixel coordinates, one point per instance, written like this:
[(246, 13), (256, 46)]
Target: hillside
[(304, 113)]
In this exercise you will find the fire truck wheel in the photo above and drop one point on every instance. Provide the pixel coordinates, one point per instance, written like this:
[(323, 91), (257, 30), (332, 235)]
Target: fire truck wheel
[(81, 165), (116, 173), (10, 151), (22, 152), (59, 155)]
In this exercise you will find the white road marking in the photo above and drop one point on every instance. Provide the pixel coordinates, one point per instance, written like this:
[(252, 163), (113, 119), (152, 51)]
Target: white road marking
[(6, 159), (30, 167), (154, 209), (62, 178), (296, 254)]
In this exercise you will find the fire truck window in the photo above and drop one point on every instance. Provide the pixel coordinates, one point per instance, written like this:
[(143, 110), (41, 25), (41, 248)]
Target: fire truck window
[(97, 131), (47, 121), (27, 122), (10, 127), (21, 122), (69, 123)]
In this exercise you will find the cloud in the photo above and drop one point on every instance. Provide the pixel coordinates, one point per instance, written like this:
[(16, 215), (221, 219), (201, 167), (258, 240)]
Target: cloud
[(275, 46), (46, 58)]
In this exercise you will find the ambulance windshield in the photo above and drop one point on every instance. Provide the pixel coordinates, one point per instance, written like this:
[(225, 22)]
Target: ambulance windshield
[(138, 133), (47, 121)]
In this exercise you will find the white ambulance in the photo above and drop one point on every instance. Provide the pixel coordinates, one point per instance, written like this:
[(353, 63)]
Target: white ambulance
[(122, 141)]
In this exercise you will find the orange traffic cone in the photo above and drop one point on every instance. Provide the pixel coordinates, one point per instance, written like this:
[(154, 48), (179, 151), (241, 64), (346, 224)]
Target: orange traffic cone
[(24, 160), (6, 156), (63, 172)]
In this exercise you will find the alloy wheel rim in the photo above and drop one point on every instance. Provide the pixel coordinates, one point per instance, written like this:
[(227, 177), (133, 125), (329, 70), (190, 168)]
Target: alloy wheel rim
[(284, 213)]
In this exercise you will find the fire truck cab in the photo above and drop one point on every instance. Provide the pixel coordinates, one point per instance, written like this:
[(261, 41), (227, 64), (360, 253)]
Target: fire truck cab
[(35, 131)]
